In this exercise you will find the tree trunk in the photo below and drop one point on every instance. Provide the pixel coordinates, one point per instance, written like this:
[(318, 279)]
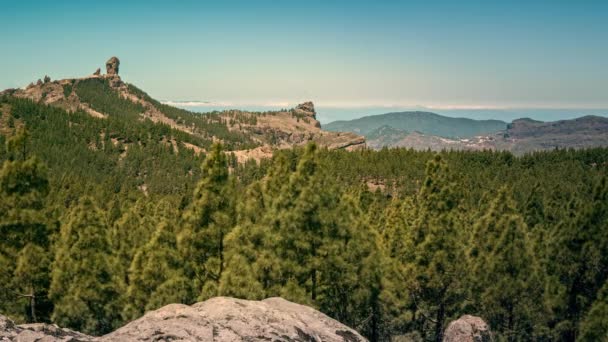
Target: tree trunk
[(439, 323), (33, 304), (221, 252), (510, 324), (314, 283)]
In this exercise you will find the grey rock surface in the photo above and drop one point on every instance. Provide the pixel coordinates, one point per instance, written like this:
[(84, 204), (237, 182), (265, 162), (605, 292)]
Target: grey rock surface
[(468, 329), (218, 319), (38, 332)]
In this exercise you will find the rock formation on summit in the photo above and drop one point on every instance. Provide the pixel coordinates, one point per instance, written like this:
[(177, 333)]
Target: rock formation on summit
[(112, 66), (468, 329), (308, 109), (97, 72), (217, 319)]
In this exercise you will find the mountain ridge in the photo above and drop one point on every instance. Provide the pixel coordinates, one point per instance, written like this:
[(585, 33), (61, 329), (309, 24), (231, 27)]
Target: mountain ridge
[(520, 136), (422, 121), (248, 134)]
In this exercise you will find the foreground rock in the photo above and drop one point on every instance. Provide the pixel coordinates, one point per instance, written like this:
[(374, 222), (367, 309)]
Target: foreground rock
[(217, 319), (38, 332), (468, 329)]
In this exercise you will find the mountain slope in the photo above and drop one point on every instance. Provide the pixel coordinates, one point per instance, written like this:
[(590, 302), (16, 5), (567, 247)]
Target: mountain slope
[(521, 136), (423, 122), (525, 135), (100, 130), (104, 96)]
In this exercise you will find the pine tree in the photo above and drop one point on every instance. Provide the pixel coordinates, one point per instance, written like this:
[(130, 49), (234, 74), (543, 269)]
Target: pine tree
[(208, 220), (245, 249), (130, 232), (435, 258), (352, 267), (156, 274), (579, 254), (505, 273), (300, 210), (82, 286), (394, 225), (24, 231), (31, 280), (594, 326)]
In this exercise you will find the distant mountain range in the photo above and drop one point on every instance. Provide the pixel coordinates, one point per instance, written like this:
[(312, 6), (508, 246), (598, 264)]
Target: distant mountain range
[(425, 130), (422, 122)]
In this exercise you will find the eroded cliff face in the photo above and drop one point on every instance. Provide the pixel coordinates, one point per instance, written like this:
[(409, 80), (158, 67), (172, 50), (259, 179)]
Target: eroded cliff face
[(288, 128), (218, 319)]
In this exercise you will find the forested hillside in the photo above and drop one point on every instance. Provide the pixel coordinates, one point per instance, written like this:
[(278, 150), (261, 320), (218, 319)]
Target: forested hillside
[(103, 219), (251, 135)]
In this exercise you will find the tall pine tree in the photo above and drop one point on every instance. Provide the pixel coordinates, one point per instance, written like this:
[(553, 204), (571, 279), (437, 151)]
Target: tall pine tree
[(579, 258), (24, 229), (505, 278), (157, 274), (208, 219), (594, 327), (435, 253), (83, 288)]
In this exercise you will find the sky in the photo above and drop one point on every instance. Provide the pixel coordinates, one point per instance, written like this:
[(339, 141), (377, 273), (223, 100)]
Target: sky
[(443, 55)]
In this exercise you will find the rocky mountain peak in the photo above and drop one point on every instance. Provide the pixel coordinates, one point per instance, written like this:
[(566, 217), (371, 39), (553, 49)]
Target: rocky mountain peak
[(307, 108), (112, 66)]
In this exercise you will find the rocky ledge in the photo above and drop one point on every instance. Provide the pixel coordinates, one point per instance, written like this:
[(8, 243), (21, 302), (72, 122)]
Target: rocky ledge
[(217, 319)]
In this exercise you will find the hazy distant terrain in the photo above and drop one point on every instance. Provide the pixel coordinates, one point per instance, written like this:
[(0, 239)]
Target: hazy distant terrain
[(425, 130), (422, 122)]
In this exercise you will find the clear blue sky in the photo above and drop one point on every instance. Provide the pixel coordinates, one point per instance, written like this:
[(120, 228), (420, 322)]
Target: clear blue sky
[(343, 53)]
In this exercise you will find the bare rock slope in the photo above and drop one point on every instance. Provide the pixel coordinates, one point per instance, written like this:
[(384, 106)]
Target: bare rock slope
[(217, 319), (37, 332)]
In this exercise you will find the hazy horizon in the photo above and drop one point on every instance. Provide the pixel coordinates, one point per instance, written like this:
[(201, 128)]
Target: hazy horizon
[(327, 113), (532, 54)]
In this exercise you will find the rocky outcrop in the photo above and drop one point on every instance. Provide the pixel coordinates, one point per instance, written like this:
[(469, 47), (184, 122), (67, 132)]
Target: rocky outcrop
[(308, 109), (112, 66), (38, 332), (229, 319), (341, 140), (217, 319), (97, 72), (468, 329)]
